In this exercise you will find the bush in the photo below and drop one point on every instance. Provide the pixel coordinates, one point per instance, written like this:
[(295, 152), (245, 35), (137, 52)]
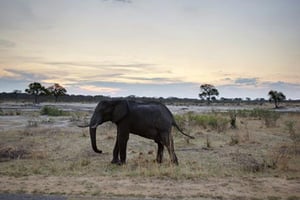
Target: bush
[(206, 121), (269, 117), (210, 121), (52, 111)]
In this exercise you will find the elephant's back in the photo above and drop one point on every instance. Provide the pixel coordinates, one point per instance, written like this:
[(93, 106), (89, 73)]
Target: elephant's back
[(153, 113)]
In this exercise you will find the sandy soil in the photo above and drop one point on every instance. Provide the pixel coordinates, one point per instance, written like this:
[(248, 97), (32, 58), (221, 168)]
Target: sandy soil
[(210, 188)]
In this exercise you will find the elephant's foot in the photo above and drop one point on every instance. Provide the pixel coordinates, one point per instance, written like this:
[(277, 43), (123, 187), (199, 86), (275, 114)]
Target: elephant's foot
[(116, 161), (159, 160), (175, 161)]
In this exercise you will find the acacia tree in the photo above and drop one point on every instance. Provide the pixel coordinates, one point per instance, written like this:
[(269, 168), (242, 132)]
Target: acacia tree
[(208, 91), (36, 89), (276, 97), (57, 90)]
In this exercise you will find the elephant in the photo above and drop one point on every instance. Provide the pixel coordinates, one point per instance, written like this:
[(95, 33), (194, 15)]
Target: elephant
[(152, 120)]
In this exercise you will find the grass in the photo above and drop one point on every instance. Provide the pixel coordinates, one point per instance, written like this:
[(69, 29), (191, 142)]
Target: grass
[(10, 112), (207, 121), (251, 149), (68, 152), (269, 117)]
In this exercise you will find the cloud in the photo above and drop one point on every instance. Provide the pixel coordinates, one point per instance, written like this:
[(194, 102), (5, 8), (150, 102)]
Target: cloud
[(135, 72), (6, 43), (109, 67), (121, 1), (125, 89), (282, 84), (254, 88), (100, 90), (4, 73), (21, 75), (154, 80), (246, 81), (124, 1), (99, 64)]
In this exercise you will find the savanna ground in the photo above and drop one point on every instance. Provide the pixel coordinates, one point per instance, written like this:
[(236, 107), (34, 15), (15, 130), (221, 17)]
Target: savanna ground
[(251, 153)]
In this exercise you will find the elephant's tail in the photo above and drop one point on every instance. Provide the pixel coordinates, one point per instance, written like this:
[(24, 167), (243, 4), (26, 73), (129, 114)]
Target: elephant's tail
[(179, 129)]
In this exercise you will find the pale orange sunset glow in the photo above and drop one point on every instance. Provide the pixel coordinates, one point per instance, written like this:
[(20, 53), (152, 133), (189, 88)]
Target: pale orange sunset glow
[(152, 48)]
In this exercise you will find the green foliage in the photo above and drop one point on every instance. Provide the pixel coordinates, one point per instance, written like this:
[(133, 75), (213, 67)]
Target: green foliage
[(269, 117), (57, 90), (276, 97), (208, 91), (36, 89), (211, 121), (52, 111)]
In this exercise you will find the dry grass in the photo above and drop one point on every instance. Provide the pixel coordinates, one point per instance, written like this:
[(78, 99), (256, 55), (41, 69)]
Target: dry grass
[(56, 147)]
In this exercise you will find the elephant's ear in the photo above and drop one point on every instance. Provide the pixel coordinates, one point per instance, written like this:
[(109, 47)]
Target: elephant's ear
[(120, 111)]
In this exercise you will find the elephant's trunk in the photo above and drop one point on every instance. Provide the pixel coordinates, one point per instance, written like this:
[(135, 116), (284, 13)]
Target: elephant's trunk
[(93, 140)]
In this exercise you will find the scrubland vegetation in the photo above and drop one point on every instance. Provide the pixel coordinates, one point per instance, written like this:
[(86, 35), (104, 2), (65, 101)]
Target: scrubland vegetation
[(252, 150)]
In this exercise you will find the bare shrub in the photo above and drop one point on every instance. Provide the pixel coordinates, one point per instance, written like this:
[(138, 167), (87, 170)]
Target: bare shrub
[(247, 162), (295, 137), (208, 142), (234, 139), (232, 115), (279, 157), (33, 123), (270, 118), (10, 152)]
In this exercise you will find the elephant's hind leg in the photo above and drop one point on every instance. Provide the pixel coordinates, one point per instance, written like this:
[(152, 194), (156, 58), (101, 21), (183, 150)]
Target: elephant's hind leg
[(160, 152), (168, 142)]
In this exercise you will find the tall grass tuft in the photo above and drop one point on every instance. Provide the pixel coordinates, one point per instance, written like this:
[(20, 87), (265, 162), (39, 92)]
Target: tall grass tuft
[(295, 137)]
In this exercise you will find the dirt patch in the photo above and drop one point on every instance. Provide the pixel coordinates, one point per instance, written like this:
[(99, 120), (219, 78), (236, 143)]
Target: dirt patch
[(210, 188)]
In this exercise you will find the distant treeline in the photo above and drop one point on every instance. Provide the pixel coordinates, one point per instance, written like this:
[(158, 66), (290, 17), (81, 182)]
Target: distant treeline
[(27, 98)]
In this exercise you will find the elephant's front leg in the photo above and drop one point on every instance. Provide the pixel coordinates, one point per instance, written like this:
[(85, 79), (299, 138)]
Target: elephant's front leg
[(123, 136), (116, 152)]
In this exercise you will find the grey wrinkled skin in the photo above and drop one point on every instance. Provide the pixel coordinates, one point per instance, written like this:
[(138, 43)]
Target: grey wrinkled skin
[(151, 120)]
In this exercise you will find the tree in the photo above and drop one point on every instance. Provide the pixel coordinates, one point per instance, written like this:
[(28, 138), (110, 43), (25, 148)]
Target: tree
[(36, 89), (208, 91), (57, 90), (276, 97)]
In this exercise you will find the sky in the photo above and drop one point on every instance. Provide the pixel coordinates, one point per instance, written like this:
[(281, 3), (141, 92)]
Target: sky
[(153, 48)]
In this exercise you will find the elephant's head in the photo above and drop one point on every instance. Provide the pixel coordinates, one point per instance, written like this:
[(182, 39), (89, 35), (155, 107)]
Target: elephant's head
[(109, 110)]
